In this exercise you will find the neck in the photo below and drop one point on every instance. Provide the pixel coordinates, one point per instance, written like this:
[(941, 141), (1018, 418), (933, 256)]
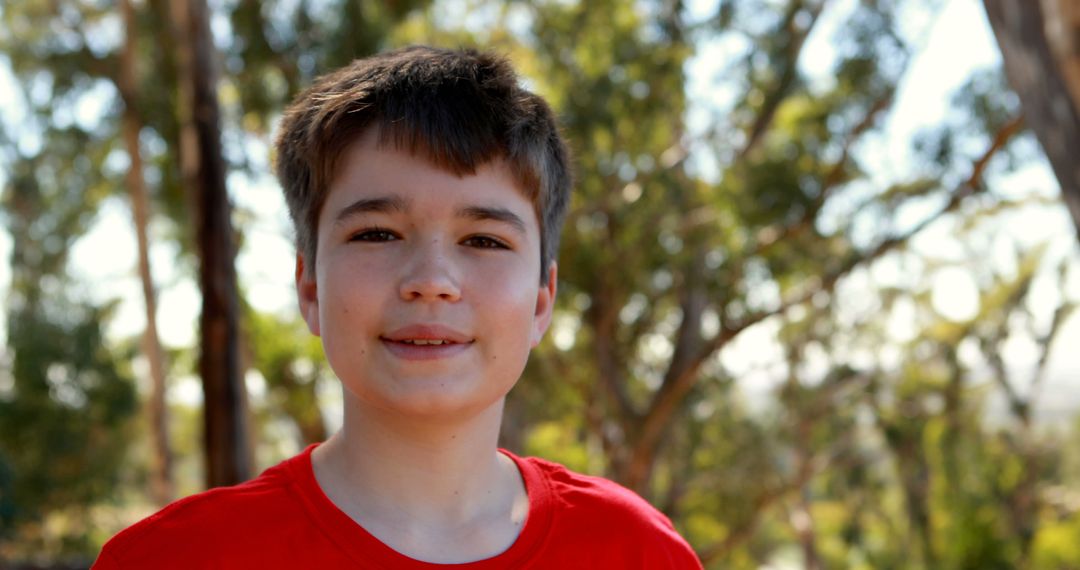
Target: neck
[(415, 471)]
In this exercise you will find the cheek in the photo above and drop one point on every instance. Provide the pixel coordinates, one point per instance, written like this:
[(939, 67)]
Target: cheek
[(346, 298), (508, 308)]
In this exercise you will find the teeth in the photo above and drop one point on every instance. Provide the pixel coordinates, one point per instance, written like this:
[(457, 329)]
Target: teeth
[(425, 342)]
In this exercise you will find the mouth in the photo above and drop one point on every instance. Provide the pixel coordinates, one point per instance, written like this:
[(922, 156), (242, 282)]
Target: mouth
[(426, 342), (427, 334)]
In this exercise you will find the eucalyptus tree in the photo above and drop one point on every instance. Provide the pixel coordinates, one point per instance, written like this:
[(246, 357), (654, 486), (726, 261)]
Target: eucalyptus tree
[(1040, 42), (692, 226), (269, 52), (66, 395)]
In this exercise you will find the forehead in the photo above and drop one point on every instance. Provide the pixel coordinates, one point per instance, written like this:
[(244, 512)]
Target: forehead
[(370, 166)]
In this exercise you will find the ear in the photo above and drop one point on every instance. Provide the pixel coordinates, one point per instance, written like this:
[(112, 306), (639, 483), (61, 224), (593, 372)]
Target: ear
[(307, 293), (545, 303)]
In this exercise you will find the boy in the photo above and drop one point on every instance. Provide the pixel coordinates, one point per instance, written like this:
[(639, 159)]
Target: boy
[(427, 189)]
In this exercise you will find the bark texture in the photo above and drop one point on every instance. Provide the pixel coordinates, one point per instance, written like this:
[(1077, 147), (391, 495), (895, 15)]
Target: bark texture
[(161, 481), (228, 456), (1046, 78)]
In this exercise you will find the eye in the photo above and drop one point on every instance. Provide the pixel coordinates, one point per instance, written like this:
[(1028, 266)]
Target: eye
[(374, 235), (485, 242)]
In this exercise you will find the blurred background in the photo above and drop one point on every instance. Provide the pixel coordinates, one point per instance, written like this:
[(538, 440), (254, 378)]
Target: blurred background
[(817, 284)]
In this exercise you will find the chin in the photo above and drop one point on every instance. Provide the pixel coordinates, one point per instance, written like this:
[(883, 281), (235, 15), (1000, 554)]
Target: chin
[(432, 402)]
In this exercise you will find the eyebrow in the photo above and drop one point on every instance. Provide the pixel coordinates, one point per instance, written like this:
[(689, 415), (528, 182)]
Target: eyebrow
[(397, 204), (481, 213), (383, 205)]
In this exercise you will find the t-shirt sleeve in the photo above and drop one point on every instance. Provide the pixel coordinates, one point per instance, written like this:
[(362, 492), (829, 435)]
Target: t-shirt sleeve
[(105, 561), (608, 525), (668, 549), (675, 553)]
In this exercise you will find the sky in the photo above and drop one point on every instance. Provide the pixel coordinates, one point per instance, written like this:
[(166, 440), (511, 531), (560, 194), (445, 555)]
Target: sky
[(957, 41)]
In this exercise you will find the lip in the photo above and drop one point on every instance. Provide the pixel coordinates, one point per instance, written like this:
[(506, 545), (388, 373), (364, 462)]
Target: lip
[(394, 341), (428, 332)]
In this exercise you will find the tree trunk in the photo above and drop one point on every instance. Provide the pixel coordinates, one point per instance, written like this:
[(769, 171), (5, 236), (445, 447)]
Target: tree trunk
[(802, 518), (1040, 80), (1062, 18), (225, 434), (302, 405), (161, 482)]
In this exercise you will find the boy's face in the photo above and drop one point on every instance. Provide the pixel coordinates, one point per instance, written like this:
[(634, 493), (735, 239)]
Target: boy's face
[(425, 291)]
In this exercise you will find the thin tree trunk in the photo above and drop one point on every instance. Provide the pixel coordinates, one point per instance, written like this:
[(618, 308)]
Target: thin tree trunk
[(313, 430), (914, 476), (802, 518), (1036, 76), (225, 434), (951, 439), (303, 407), (161, 482)]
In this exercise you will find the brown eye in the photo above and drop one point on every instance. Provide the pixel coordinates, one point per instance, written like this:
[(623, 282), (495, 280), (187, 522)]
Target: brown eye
[(374, 235), (485, 242)]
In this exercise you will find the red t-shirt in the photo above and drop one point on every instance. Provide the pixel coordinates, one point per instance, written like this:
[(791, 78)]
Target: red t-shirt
[(282, 519)]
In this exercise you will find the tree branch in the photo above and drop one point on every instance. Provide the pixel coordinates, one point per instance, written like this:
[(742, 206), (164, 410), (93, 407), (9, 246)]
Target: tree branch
[(772, 235), (788, 74), (678, 384)]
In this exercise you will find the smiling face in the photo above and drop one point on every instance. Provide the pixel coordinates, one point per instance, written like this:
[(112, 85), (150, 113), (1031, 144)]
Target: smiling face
[(425, 290)]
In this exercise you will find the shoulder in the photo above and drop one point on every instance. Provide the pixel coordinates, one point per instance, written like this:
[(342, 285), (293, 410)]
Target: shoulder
[(603, 512), (588, 496), (209, 519)]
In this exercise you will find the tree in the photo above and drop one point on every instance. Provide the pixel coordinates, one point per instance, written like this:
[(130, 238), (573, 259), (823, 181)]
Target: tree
[(668, 254), (62, 55), (1038, 42), (162, 480), (291, 362), (697, 230), (358, 33), (665, 270), (66, 395), (226, 437)]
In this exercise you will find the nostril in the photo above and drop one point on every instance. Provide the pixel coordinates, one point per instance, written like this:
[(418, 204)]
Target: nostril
[(442, 288)]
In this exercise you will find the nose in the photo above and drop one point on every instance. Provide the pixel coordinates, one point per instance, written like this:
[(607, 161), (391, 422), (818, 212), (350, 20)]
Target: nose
[(429, 275)]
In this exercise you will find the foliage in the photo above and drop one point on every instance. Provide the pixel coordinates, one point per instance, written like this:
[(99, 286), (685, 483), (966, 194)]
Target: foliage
[(696, 230), (63, 422), (67, 395), (291, 362)]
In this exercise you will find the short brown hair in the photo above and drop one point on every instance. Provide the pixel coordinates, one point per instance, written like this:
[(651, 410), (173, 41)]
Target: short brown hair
[(459, 109)]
